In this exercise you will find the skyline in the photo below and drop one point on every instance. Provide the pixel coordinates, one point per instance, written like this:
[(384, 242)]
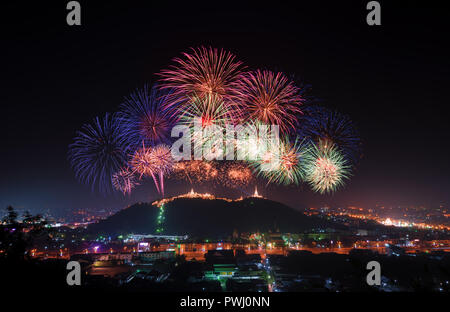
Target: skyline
[(73, 75)]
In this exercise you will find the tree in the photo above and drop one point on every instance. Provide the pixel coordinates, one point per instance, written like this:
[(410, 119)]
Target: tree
[(17, 237)]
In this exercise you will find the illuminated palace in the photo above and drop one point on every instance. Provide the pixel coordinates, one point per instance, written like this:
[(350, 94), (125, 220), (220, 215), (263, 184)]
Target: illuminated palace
[(207, 196)]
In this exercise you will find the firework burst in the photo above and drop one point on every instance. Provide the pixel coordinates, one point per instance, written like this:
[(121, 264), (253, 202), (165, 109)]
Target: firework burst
[(205, 117), (154, 162), (320, 123), (270, 98), (162, 159), (236, 175), (202, 71), (124, 181), (144, 117), (208, 110), (99, 150), (142, 162), (283, 164), (195, 171), (253, 140), (326, 168)]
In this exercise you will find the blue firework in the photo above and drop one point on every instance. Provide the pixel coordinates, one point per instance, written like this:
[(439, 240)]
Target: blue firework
[(99, 150), (322, 124), (144, 118)]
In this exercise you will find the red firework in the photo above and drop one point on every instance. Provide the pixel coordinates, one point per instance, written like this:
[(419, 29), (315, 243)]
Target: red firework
[(270, 98), (201, 72)]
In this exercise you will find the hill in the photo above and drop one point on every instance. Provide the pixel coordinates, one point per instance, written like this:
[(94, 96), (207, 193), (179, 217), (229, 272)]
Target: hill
[(199, 217)]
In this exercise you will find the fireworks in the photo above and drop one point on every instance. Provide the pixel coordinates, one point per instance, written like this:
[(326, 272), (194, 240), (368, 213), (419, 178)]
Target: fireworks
[(154, 162), (195, 171), (270, 98), (181, 170), (99, 150), (207, 110), (202, 71), (326, 168), (319, 123), (229, 174), (163, 161), (283, 164), (236, 175), (142, 162), (124, 181), (144, 118), (207, 118), (162, 158), (229, 114), (253, 140)]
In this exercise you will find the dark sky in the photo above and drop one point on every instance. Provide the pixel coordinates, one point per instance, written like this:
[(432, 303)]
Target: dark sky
[(393, 80)]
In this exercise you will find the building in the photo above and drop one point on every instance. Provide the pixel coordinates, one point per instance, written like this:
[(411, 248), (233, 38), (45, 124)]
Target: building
[(154, 255), (222, 263)]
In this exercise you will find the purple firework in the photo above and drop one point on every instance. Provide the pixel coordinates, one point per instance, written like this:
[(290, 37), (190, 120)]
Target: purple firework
[(144, 118), (99, 150)]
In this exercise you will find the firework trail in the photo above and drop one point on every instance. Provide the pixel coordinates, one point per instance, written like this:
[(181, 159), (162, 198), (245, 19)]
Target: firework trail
[(270, 98), (320, 123), (144, 117), (203, 71), (124, 181), (142, 163), (326, 168), (162, 159), (99, 150), (154, 162)]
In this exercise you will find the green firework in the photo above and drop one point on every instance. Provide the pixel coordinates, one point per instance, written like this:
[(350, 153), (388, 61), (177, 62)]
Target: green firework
[(326, 168)]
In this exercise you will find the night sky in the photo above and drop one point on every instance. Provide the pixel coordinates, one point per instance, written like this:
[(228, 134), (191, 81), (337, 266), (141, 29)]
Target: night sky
[(393, 80)]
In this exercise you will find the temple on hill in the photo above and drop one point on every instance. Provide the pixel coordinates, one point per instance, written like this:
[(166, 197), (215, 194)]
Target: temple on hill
[(255, 194), (193, 194)]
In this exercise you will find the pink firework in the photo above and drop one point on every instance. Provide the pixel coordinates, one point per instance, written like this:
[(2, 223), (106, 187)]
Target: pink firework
[(143, 164), (162, 160), (270, 98), (201, 72), (124, 181)]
